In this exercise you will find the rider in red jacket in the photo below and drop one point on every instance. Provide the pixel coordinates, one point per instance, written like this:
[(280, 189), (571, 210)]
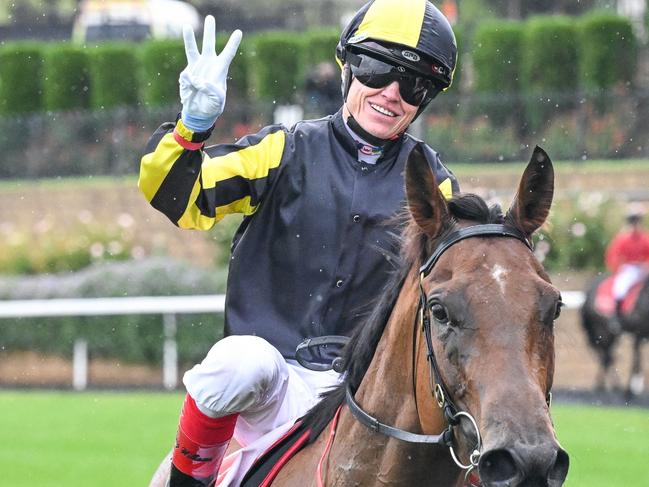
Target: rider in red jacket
[(627, 257)]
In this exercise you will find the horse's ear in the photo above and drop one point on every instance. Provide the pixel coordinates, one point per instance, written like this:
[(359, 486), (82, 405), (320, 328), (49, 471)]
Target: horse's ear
[(533, 200), (426, 203)]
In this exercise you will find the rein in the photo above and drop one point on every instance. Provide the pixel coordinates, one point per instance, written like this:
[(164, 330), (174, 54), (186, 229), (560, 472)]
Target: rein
[(452, 414)]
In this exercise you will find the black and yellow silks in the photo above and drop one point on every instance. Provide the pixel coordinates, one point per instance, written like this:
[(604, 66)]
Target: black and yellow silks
[(307, 259)]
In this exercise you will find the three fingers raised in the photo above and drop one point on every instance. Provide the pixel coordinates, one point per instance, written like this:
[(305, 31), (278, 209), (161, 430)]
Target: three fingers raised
[(230, 49), (209, 42)]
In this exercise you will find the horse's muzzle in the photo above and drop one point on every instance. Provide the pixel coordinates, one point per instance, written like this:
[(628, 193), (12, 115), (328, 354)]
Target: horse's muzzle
[(526, 465)]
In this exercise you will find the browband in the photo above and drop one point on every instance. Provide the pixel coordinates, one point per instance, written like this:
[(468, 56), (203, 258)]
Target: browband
[(485, 230)]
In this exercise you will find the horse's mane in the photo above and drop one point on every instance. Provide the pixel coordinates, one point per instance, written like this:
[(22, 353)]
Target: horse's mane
[(359, 352)]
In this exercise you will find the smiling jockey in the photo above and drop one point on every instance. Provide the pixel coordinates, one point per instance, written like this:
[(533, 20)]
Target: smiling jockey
[(317, 200)]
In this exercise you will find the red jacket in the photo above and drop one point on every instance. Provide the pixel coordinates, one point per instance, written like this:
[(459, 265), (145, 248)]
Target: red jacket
[(626, 248)]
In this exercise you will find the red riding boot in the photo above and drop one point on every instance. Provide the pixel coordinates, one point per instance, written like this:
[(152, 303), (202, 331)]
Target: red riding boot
[(201, 443)]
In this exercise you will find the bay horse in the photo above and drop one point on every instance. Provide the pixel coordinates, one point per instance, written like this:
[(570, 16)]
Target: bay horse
[(603, 332), (447, 382)]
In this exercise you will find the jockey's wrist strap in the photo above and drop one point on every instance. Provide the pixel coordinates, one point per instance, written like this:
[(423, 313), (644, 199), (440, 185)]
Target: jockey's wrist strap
[(186, 144)]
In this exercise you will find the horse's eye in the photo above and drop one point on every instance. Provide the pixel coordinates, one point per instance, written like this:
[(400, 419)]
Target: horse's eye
[(557, 311), (439, 313)]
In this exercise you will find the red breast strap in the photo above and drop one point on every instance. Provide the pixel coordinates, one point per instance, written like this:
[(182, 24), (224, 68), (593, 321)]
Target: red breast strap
[(295, 447)]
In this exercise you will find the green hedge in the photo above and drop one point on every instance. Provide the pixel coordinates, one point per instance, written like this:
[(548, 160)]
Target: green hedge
[(67, 71), (320, 46), (550, 63), (552, 55), (279, 72), (136, 338), (239, 72), (550, 67), (114, 74), (608, 51), (21, 77), (162, 62), (497, 59)]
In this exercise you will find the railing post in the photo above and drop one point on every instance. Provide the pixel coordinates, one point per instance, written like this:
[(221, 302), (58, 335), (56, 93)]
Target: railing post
[(170, 352), (80, 365)]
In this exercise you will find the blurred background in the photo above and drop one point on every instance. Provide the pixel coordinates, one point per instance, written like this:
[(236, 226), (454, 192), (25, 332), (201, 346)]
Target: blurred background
[(84, 83)]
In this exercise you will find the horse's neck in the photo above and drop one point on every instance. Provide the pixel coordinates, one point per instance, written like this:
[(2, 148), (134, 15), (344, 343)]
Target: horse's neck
[(387, 393), (390, 373)]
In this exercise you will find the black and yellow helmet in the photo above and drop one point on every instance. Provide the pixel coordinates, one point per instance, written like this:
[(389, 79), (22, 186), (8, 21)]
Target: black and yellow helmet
[(410, 33)]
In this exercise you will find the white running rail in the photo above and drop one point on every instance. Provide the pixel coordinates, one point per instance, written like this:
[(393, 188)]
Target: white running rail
[(167, 306)]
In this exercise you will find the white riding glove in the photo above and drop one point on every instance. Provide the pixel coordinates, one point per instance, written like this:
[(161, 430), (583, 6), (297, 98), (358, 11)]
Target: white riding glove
[(203, 81)]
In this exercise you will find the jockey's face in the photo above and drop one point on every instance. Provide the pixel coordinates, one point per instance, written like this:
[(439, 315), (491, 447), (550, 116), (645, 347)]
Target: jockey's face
[(380, 111)]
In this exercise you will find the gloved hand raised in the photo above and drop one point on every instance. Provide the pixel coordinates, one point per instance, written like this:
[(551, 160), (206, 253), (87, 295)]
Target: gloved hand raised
[(203, 81)]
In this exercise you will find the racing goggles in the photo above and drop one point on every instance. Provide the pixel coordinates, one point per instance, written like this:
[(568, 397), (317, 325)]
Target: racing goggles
[(374, 73)]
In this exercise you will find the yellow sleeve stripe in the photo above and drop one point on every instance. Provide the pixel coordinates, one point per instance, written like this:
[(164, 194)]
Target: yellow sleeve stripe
[(398, 22), (446, 188), (252, 162), (194, 219), (156, 165)]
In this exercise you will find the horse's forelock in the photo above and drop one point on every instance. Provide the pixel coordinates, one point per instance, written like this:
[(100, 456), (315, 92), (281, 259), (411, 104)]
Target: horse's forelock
[(416, 247), (472, 207)]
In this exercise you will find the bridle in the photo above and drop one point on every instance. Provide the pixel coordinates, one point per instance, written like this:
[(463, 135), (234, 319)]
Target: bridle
[(452, 414)]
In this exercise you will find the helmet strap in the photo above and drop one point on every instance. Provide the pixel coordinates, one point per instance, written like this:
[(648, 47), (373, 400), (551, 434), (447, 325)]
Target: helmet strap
[(365, 135), (422, 107), (346, 81), (351, 121)]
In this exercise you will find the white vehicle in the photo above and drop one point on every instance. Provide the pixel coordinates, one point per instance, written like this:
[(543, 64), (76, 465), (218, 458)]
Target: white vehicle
[(133, 20)]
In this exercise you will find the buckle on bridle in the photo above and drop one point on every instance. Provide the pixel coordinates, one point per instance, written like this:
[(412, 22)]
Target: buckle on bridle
[(439, 396)]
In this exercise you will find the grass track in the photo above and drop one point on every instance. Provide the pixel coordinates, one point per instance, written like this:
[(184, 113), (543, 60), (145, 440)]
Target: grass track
[(84, 439), (117, 439), (608, 447)]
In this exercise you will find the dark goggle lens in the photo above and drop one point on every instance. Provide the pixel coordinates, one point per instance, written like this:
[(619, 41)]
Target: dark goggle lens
[(373, 73)]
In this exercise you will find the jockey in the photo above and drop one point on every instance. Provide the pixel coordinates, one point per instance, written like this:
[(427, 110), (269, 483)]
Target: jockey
[(627, 257), (317, 200)]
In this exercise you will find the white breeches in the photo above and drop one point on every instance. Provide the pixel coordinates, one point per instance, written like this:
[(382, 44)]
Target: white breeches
[(625, 278), (247, 375)]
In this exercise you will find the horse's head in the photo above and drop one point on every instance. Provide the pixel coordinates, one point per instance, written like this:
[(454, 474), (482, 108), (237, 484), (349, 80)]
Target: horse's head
[(492, 308)]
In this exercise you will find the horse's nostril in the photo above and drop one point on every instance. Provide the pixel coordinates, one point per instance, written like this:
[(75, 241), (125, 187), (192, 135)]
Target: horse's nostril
[(497, 466), (559, 471)]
